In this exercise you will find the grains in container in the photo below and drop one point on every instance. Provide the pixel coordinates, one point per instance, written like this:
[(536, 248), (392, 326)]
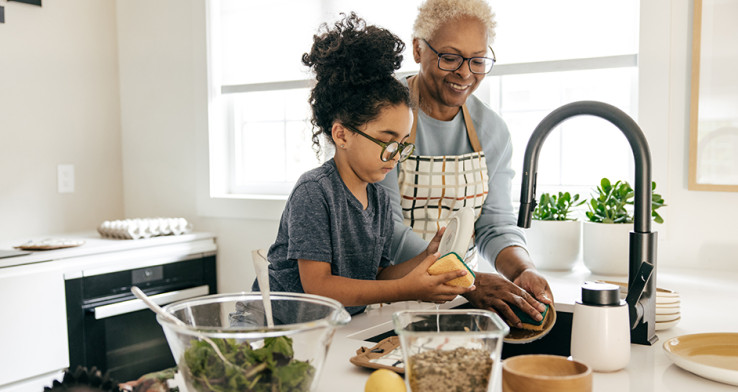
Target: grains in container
[(460, 369)]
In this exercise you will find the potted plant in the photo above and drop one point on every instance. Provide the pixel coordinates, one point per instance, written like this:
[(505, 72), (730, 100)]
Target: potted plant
[(554, 237), (606, 233)]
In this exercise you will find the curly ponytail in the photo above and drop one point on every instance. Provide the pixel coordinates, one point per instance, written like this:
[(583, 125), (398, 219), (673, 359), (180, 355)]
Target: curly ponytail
[(354, 67)]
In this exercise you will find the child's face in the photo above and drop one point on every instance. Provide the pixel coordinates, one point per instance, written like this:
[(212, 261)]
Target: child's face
[(392, 125)]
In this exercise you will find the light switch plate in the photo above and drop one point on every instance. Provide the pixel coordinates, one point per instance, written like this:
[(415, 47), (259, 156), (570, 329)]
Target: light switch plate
[(65, 178)]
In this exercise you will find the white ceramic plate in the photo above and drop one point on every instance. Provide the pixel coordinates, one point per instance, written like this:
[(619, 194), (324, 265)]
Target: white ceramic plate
[(459, 233), (50, 244), (663, 296), (710, 355), (660, 326), (660, 318), (667, 300), (667, 310)]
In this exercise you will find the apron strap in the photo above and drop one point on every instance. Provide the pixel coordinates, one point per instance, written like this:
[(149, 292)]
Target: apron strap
[(470, 130)]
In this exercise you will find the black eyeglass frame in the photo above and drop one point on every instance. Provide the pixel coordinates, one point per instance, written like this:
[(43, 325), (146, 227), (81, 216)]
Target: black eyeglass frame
[(463, 59), (384, 145)]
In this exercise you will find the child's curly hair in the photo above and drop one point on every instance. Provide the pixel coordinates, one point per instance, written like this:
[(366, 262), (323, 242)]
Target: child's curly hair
[(354, 67)]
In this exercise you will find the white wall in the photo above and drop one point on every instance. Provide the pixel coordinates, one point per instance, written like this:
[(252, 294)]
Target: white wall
[(164, 116), (701, 225), (59, 104)]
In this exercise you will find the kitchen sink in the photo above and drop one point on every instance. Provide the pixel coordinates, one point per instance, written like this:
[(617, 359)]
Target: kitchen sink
[(557, 342)]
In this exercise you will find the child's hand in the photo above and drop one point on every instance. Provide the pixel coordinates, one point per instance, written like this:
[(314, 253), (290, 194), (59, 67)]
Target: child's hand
[(435, 242), (433, 288)]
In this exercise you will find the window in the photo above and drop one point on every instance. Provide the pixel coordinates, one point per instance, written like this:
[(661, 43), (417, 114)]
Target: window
[(549, 53)]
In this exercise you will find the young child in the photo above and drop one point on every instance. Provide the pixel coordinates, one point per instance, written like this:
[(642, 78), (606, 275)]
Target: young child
[(334, 234)]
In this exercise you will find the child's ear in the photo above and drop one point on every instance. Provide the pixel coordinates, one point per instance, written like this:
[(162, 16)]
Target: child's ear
[(339, 135)]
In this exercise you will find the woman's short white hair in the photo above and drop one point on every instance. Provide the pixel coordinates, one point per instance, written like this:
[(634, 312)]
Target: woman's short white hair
[(434, 13)]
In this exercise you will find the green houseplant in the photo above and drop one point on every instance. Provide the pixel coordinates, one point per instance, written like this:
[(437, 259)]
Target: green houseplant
[(556, 208), (555, 238), (609, 222), (609, 205)]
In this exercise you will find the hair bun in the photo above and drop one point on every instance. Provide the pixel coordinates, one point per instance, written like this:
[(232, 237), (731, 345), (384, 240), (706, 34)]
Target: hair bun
[(353, 53)]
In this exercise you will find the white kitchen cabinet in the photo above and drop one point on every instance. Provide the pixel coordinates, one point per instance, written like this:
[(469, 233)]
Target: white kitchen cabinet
[(34, 341), (33, 331)]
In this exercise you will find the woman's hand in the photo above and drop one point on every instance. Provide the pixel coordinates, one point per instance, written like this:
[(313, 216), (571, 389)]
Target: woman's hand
[(533, 282), (496, 293), (423, 286)]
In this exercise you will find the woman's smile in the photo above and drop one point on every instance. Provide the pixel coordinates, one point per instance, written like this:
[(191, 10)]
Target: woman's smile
[(460, 88)]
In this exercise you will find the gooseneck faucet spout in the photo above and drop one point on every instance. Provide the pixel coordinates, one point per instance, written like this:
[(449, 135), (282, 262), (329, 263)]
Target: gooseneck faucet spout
[(642, 262)]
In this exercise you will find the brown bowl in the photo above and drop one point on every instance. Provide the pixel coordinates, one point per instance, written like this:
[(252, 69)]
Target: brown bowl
[(552, 373)]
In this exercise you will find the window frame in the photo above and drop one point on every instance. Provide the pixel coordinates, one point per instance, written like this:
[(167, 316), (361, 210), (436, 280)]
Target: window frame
[(213, 202)]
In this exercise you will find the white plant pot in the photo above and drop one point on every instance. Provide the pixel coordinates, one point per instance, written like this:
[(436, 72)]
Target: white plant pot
[(554, 245), (606, 247)]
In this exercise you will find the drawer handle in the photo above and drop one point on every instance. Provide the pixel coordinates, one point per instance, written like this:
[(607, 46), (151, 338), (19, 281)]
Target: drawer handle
[(135, 305)]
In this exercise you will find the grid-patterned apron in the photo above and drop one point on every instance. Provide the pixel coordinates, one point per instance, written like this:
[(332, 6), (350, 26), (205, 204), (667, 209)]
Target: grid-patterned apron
[(432, 188)]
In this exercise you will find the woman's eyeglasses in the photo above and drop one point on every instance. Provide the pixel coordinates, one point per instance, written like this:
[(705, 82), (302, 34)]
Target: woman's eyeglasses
[(389, 150), (453, 61)]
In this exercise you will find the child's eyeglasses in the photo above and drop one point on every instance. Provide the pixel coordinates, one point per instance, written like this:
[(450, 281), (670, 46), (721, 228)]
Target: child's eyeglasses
[(389, 150)]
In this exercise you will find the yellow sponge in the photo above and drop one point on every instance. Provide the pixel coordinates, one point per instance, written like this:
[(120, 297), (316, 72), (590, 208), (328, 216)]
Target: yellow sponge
[(452, 262)]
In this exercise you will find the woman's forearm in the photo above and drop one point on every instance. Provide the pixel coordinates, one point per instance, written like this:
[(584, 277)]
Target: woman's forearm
[(512, 261)]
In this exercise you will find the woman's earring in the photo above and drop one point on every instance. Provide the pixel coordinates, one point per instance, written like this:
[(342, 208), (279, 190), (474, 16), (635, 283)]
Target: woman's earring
[(343, 146)]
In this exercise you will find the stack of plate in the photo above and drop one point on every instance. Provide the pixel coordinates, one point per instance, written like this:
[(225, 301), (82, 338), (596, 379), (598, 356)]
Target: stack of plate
[(668, 311), (668, 303)]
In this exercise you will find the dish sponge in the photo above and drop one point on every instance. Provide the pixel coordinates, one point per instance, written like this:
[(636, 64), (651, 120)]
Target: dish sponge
[(528, 322), (452, 262)]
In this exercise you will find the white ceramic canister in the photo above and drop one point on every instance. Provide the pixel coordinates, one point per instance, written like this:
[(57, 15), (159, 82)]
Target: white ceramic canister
[(600, 333), (554, 245), (606, 248)]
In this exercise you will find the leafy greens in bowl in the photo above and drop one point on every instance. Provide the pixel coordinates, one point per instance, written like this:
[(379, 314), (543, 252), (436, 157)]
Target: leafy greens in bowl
[(287, 357)]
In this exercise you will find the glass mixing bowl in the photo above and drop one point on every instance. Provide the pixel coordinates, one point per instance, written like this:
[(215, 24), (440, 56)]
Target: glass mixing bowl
[(450, 350), (286, 357)]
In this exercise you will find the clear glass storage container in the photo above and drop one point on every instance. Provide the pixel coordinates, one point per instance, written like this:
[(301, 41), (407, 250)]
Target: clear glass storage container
[(451, 349)]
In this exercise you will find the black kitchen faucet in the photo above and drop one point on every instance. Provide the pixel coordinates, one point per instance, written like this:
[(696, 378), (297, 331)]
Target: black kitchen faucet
[(641, 297)]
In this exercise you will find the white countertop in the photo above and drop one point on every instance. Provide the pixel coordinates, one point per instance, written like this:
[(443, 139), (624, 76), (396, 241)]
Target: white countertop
[(707, 305), (93, 244)]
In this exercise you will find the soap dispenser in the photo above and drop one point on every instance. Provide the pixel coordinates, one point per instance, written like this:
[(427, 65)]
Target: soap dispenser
[(600, 334)]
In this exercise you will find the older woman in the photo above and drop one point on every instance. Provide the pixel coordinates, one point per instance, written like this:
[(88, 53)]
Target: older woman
[(462, 158)]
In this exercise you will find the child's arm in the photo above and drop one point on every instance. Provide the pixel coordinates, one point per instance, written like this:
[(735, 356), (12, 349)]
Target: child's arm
[(399, 270), (418, 284)]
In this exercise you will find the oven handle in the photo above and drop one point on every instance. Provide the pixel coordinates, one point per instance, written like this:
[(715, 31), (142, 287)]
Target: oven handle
[(134, 305)]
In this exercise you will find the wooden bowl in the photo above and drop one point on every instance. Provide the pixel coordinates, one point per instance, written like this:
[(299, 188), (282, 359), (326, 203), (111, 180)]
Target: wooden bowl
[(550, 373)]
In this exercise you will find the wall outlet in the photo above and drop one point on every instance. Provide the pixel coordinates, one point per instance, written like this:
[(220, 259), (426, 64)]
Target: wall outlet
[(65, 178)]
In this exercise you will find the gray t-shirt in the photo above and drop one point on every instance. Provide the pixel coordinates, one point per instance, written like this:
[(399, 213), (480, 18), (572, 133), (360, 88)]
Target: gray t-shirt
[(323, 221)]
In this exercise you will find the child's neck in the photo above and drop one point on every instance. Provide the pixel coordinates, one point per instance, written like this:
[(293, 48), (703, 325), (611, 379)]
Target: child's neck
[(353, 182)]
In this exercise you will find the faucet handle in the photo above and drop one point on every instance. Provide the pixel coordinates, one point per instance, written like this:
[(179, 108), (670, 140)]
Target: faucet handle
[(525, 214), (635, 290)]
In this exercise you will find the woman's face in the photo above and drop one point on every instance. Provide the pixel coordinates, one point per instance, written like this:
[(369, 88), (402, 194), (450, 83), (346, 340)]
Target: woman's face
[(466, 36), (363, 155)]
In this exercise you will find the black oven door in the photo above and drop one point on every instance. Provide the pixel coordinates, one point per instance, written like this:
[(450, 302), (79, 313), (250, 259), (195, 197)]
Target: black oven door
[(112, 330)]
